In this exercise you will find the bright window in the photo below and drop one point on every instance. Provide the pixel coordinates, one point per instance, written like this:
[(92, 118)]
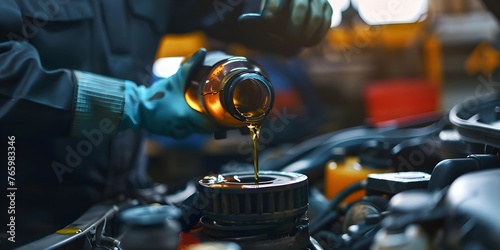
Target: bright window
[(376, 12), (338, 6)]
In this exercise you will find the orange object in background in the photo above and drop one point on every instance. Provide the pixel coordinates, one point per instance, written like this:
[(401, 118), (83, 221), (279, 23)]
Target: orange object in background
[(361, 35), (343, 173), (181, 45), (390, 100)]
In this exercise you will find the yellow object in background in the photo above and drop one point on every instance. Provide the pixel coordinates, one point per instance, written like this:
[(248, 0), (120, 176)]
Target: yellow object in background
[(484, 59), (340, 174), (181, 45), (433, 62), (361, 35)]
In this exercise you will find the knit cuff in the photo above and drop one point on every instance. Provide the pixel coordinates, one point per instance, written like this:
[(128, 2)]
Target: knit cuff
[(99, 104)]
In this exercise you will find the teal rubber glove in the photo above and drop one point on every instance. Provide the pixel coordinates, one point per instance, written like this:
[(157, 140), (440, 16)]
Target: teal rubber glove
[(162, 108), (302, 23)]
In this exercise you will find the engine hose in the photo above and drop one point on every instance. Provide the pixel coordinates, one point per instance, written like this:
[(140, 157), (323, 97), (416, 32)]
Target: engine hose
[(330, 215), (328, 240)]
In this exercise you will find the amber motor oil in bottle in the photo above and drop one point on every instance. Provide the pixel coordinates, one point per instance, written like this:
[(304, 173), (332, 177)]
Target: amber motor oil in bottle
[(233, 90)]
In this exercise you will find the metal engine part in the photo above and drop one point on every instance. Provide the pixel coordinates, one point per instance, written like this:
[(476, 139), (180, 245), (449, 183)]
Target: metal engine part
[(270, 214)]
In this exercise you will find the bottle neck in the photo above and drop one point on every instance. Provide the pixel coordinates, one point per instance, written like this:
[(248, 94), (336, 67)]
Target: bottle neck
[(248, 96)]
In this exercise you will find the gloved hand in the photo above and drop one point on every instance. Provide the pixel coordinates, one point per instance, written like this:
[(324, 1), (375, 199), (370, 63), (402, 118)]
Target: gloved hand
[(299, 22), (162, 108)]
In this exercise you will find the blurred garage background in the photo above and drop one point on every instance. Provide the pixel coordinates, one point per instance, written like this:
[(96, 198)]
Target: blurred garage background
[(384, 62)]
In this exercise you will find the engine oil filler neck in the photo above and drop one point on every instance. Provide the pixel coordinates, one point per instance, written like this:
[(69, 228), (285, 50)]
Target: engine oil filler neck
[(270, 214)]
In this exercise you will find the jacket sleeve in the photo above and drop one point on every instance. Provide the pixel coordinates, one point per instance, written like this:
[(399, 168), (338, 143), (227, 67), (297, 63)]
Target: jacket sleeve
[(62, 102)]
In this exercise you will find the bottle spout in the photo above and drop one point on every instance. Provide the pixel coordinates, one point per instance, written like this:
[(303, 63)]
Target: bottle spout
[(250, 97)]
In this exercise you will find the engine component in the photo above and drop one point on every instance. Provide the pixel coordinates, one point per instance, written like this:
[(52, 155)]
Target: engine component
[(410, 238), (473, 221), (450, 169), (367, 207), (411, 214), (270, 214), (393, 183), (150, 227), (478, 123)]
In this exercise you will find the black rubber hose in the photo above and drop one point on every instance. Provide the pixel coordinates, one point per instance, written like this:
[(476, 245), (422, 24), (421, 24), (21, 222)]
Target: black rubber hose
[(313, 162), (328, 240), (331, 214)]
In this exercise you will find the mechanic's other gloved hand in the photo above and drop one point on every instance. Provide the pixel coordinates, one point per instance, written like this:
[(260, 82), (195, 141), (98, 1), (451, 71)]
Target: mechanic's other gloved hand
[(301, 22), (162, 108)]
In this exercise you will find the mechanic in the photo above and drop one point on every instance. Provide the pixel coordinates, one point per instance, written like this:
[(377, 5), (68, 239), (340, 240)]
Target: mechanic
[(75, 91)]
